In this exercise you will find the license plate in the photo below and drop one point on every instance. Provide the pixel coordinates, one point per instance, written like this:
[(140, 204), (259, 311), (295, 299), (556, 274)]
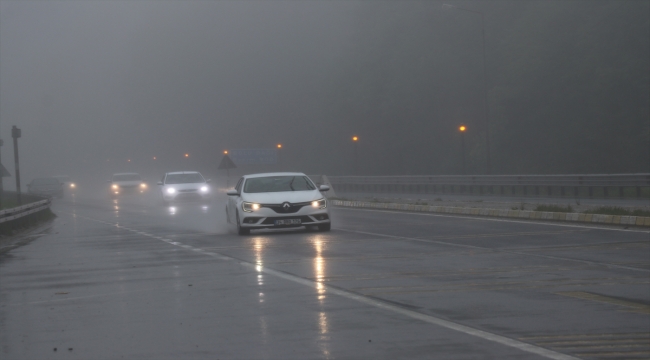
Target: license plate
[(288, 222)]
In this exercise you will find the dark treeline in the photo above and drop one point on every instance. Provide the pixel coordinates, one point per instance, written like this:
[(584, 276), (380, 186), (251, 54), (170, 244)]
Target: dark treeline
[(567, 82)]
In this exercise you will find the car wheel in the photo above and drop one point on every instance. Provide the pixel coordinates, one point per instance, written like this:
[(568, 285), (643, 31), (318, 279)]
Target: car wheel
[(325, 227), (241, 230)]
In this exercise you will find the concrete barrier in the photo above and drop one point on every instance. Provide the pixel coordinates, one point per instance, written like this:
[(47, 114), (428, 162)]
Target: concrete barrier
[(518, 214)]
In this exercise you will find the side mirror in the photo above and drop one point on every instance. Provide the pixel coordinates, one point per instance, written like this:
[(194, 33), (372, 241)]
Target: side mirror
[(160, 183), (324, 188), (232, 192)]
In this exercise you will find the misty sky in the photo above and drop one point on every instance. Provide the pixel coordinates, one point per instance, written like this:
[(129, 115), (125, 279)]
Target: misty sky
[(95, 83), (95, 80)]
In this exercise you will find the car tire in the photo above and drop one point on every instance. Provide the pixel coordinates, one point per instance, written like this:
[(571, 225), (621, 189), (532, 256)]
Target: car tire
[(325, 227), (241, 230)]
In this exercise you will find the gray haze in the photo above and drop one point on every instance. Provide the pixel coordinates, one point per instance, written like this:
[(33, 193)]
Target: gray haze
[(93, 84)]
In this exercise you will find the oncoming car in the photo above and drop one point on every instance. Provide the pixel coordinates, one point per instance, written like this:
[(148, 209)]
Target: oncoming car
[(276, 200), (184, 185), (127, 183), (46, 186)]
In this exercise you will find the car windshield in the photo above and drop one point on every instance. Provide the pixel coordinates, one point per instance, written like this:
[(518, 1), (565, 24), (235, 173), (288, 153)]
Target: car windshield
[(45, 181), (127, 177), (184, 178), (278, 184)]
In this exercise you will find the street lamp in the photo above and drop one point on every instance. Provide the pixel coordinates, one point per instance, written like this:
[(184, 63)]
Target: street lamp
[(462, 129), (355, 141), (485, 91)]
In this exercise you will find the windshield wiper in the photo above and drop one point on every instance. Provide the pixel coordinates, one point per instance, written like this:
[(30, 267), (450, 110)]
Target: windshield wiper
[(291, 183)]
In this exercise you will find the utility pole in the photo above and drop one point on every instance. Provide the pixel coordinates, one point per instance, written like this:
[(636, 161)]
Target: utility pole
[(15, 134), (2, 190)]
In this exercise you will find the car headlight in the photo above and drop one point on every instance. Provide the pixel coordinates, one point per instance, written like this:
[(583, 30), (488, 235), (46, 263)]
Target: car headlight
[(73, 186), (319, 204), (143, 186), (250, 207), (204, 189), (171, 191), (115, 187)]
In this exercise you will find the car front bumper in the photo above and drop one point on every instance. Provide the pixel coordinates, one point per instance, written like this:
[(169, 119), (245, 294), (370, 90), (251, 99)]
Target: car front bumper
[(266, 218)]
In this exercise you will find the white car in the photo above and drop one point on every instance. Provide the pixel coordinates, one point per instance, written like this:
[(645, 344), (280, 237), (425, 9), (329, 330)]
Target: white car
[(275, 200), (127, 183), (184, 185)]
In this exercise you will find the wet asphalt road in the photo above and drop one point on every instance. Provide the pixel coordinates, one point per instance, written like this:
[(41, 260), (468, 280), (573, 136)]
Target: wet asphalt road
[(132, 279)]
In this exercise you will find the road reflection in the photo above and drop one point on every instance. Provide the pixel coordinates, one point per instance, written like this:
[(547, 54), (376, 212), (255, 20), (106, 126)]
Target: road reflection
[(321, 290)]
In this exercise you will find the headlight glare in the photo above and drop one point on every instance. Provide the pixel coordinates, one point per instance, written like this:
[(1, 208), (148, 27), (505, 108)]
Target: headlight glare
[(115, 187), (249, 207), (143, 186), (319, 204), (171, 191), (204, 189)]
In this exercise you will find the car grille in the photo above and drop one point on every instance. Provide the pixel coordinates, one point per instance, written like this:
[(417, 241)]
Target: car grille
[(281, 209), (187, 191)]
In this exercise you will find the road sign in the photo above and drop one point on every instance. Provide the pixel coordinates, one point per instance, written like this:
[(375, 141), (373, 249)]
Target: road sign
[(227, 163), (254, 156)]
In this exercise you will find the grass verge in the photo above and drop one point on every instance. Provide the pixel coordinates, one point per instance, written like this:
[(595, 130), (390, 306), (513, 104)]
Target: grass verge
[(554, 208), (614, 210)]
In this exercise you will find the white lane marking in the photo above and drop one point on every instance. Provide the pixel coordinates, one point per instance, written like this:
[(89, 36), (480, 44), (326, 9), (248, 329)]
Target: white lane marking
[(386, 306), (530, 222), (496, 250)]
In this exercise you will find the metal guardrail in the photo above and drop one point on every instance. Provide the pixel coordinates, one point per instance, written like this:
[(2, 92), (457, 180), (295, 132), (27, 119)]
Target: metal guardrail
[(466, 183), (23, 210)]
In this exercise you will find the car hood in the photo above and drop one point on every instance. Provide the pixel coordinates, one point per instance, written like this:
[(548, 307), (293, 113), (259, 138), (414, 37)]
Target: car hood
[(185, 186), (45, 187), (280, 197), (127, 183)]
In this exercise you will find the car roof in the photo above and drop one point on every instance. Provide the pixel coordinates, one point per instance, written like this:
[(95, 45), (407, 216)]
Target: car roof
[(183, 172), (274, 174), (126, 174)]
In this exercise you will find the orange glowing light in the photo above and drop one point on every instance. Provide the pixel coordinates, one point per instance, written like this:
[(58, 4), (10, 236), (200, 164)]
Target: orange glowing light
[(355, 138), (279, 146), (462, 128), (129, 160), (225, 152), (187, 155), (154, 158)]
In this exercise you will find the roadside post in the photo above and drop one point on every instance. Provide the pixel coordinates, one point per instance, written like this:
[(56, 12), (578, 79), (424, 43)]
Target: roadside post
[(16, 134), (227, 163)]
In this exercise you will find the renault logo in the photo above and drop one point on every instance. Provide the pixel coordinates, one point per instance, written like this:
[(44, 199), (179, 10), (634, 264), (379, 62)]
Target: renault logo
[(286, 206)]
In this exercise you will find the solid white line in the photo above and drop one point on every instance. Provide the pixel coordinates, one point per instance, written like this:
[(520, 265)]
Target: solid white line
[(533, 221)]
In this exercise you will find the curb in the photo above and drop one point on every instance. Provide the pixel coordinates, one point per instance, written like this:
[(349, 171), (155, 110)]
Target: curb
[(518, 214)]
